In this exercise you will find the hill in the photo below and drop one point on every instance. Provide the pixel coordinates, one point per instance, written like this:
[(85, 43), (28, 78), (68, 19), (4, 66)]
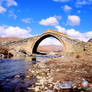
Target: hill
[(50, 48), (8, 39)]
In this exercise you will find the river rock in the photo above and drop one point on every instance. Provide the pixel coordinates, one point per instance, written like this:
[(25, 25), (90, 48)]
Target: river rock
[(17, 76)]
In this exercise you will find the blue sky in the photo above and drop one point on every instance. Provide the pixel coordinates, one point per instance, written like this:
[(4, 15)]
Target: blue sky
[(25, 18)]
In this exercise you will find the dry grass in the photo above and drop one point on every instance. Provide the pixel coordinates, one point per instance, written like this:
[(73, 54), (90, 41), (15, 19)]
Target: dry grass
[(71, 69)]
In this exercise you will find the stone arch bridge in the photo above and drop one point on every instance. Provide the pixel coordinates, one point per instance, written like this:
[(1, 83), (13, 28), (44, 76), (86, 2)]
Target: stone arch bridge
[(29, 45)]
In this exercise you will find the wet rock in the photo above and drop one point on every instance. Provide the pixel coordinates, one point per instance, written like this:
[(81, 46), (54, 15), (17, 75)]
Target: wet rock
[(17, 76), (1, 55), (28, 77)]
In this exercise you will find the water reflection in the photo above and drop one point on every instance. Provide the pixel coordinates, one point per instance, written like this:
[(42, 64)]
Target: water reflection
[(9, 68)]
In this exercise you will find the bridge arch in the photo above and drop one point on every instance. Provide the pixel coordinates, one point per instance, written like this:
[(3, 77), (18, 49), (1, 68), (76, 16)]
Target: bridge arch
[(41, 39), (47, 34)]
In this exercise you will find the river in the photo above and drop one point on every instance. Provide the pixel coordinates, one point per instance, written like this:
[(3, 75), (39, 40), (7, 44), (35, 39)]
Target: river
[(10, 69)]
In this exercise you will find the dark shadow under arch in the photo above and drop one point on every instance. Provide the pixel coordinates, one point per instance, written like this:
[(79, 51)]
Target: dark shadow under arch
[(34, 51)]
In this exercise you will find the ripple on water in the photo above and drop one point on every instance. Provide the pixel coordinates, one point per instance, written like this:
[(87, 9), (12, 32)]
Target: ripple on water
[(11, 67)]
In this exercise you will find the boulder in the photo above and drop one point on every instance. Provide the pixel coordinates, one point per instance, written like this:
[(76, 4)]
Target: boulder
[(4, 52)]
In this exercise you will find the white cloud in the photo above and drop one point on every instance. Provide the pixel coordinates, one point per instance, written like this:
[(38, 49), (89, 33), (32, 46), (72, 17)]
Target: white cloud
[(61, 0), (27, 20), (50, 41), (72, 33), (89, 34), (2, 9), (11, 3), (7, 3), (80, 3), (49, 21), (73, 20), (11, 31), (67, 8), (76, 34), (11, 14), (29, 29), (77, 3), (60, 29)]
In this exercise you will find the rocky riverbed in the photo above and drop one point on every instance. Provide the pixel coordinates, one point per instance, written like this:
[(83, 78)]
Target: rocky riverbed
[(49, 75), (58, 71)]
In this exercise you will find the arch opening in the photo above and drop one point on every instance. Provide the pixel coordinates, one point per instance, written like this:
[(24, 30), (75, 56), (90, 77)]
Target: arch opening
[(38, 42)]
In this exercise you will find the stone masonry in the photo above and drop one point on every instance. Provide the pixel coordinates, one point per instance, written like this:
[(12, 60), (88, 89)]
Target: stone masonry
[(29, 46)]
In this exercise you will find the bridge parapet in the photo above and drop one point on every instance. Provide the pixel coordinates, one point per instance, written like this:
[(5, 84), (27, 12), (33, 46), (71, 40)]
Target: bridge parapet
[(56, 32)]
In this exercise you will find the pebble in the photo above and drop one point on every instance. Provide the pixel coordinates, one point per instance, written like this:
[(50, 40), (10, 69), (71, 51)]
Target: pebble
[(28, 77), (17, 76)]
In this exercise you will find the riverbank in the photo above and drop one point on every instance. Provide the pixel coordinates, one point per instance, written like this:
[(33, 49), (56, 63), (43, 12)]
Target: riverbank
[(48, 75), (54, 72)]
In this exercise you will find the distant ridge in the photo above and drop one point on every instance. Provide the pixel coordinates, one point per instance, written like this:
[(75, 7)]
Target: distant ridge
[(50, 48), (9, 39)]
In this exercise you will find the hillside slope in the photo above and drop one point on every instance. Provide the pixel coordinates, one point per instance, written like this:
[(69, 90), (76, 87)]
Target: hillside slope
[(50, 48), (8, 39)]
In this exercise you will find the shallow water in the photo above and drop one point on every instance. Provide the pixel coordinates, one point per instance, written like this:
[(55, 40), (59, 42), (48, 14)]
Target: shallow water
[(9, 68)]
